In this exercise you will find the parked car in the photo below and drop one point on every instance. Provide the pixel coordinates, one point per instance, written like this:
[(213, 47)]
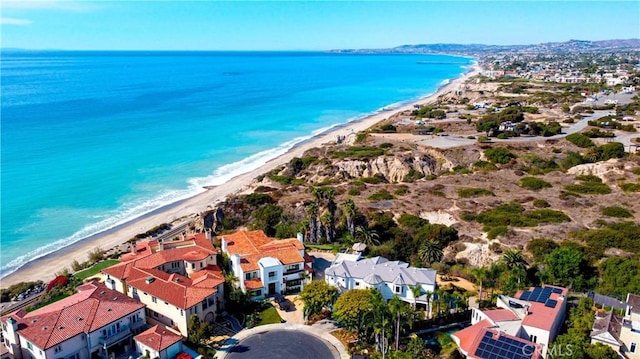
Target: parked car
[(282, 302)]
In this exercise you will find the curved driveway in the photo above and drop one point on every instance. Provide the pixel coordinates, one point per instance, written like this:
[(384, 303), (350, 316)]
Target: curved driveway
[(282, 341)]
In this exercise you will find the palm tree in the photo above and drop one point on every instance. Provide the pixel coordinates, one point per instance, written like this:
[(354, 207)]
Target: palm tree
[(513, 259), (416, 290), (430, 251), (312, 213), (397, 309), (480, 274), (492, 277), (367, 236), (350, 210)]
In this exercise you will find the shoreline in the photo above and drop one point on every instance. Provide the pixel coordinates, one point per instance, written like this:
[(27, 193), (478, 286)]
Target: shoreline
[(45, 267)]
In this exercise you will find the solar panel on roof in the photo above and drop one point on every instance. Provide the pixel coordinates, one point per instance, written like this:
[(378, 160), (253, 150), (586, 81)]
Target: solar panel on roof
[(502, 347), (525, 295), (550, 303), (556, 290)]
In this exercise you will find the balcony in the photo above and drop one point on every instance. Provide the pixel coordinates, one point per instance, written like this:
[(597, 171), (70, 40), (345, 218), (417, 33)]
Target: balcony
[(111, 338), (293, 271)]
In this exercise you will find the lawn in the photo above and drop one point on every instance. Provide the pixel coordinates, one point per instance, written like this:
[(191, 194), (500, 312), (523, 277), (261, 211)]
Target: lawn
[(95, 269), (270, 316)]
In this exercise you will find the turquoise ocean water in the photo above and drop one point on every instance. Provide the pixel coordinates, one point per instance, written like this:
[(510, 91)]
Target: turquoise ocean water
[(90, 140)]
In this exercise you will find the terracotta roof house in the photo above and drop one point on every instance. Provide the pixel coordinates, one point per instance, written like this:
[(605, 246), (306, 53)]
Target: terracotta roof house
[(87, 323), (174, 279), (352, 271), (528, 323), (622, 334), (159, 342), (266, 266)]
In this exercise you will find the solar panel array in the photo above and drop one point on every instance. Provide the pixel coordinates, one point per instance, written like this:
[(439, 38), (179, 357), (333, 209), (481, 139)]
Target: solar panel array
[(541, 295), (503, 347)]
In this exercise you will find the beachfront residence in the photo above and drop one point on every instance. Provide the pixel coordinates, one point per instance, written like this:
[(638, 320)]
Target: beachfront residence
[(412, 285), (265, 266), (95, 322), (524, 325), (621, 333), (160, 342), (174, 279)]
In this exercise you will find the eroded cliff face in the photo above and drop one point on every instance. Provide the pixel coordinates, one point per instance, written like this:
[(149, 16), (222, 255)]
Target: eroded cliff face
[(393, 168), (607, 170)]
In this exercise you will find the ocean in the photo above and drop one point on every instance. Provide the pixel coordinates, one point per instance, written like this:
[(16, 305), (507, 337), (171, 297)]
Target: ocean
[(90, 140)]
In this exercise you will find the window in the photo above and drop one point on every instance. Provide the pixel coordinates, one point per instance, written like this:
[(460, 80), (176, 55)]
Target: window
[(181, 313), (272, 275), (291, 268), (57, 349), (30, 346), (533, 338), (632, 348), (205, 305), (357, 284), (247, 276), (201, 264), (193, 266), (155, 314), (154, 299), (398, 289), (175, 264)]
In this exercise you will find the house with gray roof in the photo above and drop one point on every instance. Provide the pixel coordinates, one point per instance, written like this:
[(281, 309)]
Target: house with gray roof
[(351, 271)]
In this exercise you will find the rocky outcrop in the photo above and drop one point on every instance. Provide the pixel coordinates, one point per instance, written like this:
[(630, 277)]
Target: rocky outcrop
[(604, 170), (393, 168)]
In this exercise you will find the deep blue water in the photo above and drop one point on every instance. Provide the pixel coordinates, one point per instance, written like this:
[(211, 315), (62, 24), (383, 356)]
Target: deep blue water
[(93, 139)]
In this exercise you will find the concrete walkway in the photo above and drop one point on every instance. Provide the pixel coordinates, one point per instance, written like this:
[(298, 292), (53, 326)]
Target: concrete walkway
[(319, 332)]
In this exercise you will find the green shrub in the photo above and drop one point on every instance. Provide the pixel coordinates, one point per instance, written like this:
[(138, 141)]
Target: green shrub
[(402, 190), (589, 188), (353, 192), (474, 192), (589, 178), (412, 176), (358, 152), (580, 140), (498, 231), (513, 214), (541, 203), (611, 150), (381, 195), (499, 155), (372, 180), (438, 193), (485, 166), (618, 212), (630, 187), (386, 145), (636, 171), (534, 183)]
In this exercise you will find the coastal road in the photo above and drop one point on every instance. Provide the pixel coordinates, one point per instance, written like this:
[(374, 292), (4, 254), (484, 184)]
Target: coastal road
[(455, 141)]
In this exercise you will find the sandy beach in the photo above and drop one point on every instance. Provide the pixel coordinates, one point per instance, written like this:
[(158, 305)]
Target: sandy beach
[(45, 267)]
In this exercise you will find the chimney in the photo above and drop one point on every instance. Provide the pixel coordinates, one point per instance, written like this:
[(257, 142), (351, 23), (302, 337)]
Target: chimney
[(207, 233), (134, 249), (300, 237), (160, 245), (223, 245)]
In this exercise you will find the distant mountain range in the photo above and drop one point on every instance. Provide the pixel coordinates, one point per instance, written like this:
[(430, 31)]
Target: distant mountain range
[(476, 49)]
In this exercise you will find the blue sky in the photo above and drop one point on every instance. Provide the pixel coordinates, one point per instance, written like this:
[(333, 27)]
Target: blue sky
[(308, 25)]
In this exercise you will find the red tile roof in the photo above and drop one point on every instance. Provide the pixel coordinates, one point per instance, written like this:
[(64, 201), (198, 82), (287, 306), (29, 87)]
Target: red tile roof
[(158, 338), (254, 245), (174, 288), (93, 307), (253, 283)]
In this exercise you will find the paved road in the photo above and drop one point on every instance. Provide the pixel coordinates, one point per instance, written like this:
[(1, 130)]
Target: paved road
[(453, 141), (283, 341)]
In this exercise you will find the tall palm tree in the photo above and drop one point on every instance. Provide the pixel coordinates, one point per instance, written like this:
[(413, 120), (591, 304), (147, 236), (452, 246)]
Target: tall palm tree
[(493, 274), (350, 210), (367, 236), (480, 274), (312, 214), (430, 251), (416, 290), (514, 259), (397, 310), (327, 221)]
